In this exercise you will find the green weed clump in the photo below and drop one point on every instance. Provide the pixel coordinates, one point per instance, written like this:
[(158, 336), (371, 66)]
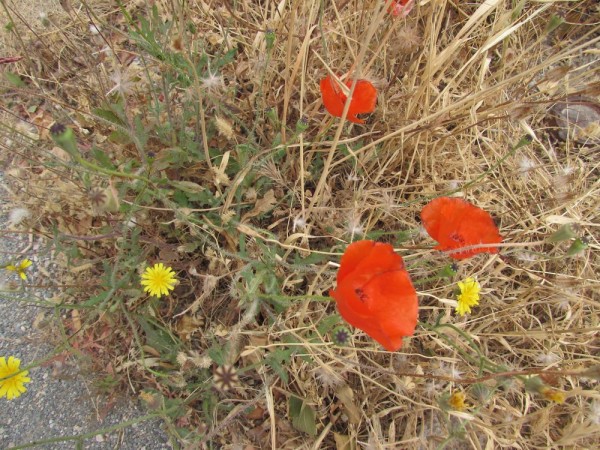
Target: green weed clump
[(179, 164)]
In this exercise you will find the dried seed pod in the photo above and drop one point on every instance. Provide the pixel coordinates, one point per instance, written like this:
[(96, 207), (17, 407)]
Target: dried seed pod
[(225, 378)]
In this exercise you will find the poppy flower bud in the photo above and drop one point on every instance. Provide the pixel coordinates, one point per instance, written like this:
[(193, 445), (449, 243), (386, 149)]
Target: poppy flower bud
[(64, 137), (301, 125), (271, 114), (270, 38), (448, 271), (578, 246)]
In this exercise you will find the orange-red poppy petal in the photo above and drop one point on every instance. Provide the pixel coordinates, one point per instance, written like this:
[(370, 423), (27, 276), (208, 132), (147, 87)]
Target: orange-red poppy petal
[(385, 307), (364, 98), (350, 305), (365, 259), (352, 257), (333, 98), (401, 8), (374, 293), (455, 223), (395, 306)]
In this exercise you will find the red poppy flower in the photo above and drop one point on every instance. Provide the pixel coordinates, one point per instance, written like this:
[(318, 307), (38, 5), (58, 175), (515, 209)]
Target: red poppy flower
[(363, 100), (374, 293), (455, 224), (401, 8)]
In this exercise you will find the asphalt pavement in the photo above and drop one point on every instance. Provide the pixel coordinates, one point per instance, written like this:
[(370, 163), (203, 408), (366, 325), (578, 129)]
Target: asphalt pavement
[(60, 401)]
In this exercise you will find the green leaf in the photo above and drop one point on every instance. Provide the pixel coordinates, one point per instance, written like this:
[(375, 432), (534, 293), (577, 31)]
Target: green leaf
[(313, 258), (95, 299), (171, 157), (140, 131), (303, 416), (555, 22), (109, 115), (279, 370), (118, 137), (181, 199), (217, 354), (159, 339), (188, 247), (225, 59), (209, 404), (564, 233), (14, 79), (276, 359), (327, 324), (102, 158), (518, 9)]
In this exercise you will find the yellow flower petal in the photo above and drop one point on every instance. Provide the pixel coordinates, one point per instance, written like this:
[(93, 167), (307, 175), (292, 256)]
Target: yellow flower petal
[(469, 295), (20, 268), (12, 380), (158, 280), (457, 401)]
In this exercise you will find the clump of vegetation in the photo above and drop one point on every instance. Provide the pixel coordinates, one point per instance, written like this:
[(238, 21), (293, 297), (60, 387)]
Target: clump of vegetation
[(197, 170)]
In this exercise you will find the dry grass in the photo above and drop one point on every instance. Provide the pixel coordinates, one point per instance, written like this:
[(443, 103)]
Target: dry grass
[(460, 84)]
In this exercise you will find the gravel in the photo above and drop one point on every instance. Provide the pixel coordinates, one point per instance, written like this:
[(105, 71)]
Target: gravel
[(60, 402)]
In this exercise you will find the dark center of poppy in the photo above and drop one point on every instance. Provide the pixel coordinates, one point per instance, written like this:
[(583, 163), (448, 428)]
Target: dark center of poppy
[(457, 238), (361, 295)]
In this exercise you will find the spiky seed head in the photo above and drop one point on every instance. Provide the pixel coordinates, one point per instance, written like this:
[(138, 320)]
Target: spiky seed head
[(225, 378), (341, 336)]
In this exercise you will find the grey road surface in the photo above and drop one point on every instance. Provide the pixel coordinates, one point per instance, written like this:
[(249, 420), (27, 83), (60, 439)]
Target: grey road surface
[(59, 402)]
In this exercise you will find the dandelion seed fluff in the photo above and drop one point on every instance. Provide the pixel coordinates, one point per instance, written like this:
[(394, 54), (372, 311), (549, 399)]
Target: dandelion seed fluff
[(594, 413), (299, 223), (18, 215), (547, 359), (212, 82), (525, 165), (354, 227)]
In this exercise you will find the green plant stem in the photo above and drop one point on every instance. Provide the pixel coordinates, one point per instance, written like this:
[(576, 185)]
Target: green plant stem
[(112, 173), (483, 362), (138, 341), (290, 298), (423, 281)]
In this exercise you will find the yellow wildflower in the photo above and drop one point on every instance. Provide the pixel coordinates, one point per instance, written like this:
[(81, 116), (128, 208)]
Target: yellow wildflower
[(469, 295), (553, 394), (158, 280), (457, 401), (12, 379), (20, 268)]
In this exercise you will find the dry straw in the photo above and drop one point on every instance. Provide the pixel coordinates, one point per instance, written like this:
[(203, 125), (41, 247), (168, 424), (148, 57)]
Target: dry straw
[(460, 84)]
